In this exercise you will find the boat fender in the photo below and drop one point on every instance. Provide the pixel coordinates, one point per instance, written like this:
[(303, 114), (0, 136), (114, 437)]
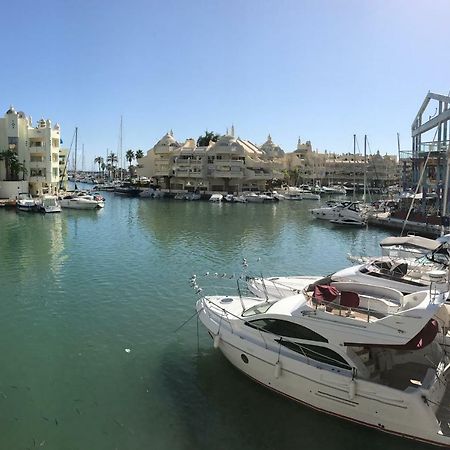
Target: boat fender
[(352, 389), (277, 369), (216, 341)]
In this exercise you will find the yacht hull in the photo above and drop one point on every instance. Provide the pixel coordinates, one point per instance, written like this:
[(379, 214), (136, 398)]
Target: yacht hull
[(396, 410), (391, 412)]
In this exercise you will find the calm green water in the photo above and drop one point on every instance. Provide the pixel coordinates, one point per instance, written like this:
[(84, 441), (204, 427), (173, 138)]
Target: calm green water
[(80, 287)]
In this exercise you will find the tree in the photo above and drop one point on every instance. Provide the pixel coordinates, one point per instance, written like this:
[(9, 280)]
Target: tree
[(98, 160), (139, 154), (16, 168), (12, 165), (129, 156), (112, 159), (210, 136)]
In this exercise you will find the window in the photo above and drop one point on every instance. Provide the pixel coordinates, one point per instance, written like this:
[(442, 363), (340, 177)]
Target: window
[(55, 171), (285, 328), (320, 354), (38, 172)]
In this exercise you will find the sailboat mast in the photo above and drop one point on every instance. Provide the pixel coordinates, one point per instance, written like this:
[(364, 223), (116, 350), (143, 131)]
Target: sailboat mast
[(365, 167), (120, 147), (76, 142), (354, 167)]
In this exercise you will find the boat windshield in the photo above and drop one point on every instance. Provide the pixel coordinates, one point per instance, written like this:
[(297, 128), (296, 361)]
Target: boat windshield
[(260, 308)]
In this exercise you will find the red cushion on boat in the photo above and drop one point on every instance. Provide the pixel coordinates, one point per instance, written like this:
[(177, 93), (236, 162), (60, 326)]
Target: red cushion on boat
[(325, 293), (349, 299)]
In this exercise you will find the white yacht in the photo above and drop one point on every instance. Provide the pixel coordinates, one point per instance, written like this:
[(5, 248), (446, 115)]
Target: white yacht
[(330, 349), (81, 201), (404, 275), (348, 213), (25, 202), (408, 246), (49, 204), (216, 198)]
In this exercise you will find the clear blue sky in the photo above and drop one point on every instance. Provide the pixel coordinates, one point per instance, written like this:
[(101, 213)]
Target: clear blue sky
[(319, 69)]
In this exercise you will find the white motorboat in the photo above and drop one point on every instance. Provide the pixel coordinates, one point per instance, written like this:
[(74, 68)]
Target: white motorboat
[(329, 349), (49, 204), (25, 202), (253, 197), (240, 199), (408, 246), (216, 198), (406, 276), (307, 194), (348, 211), (83, 201)]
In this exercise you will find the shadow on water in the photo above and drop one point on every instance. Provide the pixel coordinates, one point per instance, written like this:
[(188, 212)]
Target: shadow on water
[(221, 408)]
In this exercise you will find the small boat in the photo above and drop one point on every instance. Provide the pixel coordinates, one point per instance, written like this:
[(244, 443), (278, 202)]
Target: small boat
[(216, 198), (82, 201), (127, 190), (253, 197), (340, 211), (49, 204), (25, 202)]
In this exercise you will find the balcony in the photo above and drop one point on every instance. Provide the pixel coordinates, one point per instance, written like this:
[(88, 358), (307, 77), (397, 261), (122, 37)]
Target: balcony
[(257, 175)]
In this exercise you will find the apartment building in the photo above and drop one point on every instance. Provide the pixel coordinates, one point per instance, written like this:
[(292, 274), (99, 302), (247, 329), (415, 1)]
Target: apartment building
[(37, 150), (313, 167), (229, 165)]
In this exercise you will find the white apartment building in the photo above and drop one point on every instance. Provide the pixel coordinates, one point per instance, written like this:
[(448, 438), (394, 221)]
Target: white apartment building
[(37, 148), (229, 165)]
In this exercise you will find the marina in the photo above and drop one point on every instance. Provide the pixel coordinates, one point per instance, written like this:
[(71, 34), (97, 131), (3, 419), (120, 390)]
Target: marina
[(226, 227), (74, 336)]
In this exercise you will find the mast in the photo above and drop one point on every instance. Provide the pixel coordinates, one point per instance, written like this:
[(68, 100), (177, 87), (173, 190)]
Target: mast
[(354, 167), (365, 167), (120, 146), (76, 142)]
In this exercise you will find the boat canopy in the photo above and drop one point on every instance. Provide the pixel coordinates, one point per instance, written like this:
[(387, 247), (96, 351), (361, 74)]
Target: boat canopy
[(411, 241)]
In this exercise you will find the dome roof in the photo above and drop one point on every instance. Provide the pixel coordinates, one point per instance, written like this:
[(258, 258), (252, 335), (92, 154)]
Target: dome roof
[(11, 110)]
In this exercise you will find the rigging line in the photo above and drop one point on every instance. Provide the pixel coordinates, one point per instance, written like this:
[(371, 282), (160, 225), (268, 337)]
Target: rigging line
[(188, 320), (418, 185)]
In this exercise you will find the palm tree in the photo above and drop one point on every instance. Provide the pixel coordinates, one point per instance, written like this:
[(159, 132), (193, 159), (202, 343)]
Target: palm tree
[(112, 159), (103, 166), (210, 136), (17, 167), (9, 156), (12, 165), (129, 156), (139, 154), (98, 160)]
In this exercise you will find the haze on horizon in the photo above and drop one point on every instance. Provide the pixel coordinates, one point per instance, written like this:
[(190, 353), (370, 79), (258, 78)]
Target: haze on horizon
[(321, 70)]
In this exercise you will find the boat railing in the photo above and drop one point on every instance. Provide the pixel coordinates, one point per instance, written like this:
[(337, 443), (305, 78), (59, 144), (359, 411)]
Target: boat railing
[(374, 309)]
